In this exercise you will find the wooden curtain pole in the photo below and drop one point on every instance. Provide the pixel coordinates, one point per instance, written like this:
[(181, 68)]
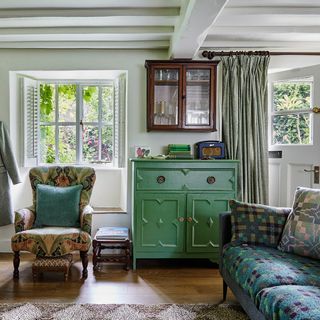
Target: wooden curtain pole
[(211, 54)]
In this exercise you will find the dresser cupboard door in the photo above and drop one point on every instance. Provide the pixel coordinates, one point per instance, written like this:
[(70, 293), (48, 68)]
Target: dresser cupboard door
[(159, 222), (203, 211)]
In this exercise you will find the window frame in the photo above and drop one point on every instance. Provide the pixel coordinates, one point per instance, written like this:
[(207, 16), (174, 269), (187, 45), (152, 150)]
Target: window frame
[(80, 84), (273, 113)]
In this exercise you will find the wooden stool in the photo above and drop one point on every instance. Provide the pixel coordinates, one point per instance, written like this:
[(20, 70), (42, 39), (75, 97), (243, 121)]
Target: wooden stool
[(52, 264), (123, 257)]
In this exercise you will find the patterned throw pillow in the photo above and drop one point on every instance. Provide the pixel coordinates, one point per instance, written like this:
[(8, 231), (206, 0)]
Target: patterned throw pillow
[(301, 234), (256, 223)]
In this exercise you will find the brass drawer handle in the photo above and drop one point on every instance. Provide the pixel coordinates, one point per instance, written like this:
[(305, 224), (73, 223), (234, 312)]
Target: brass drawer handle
[(181, 219), (189, 219), (211, 179), (161, 179)]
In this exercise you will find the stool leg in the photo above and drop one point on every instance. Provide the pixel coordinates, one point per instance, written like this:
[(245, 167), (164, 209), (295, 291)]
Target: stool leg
[(16, 263), (84, 258)]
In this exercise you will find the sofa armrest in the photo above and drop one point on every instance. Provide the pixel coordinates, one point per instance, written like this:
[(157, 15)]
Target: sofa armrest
[(24, 219), (86, 219), (225, 233)]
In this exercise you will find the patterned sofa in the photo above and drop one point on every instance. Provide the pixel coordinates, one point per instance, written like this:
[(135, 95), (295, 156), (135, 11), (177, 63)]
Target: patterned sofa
[(269, 271)]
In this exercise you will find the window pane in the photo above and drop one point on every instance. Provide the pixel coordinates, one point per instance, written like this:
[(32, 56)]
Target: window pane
[(106, 143), (291, 96), (291, 129), (90, 104), (67, 144), (107, 104), (90, 144), (47, 144), (67, 103), (47, 103)]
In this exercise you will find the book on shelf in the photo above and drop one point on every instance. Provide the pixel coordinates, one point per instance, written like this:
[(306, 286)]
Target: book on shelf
[(112, 233)]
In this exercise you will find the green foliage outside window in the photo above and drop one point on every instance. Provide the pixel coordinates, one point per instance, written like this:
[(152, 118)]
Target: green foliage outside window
[(291, 127), (67, 113)]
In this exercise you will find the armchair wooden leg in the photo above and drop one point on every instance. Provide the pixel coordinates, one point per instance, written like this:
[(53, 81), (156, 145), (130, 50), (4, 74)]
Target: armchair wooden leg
[(225, 289), (84, 258), (16, 263)]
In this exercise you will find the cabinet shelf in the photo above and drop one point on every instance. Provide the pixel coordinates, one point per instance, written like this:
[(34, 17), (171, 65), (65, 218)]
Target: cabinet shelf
[(183, 83)]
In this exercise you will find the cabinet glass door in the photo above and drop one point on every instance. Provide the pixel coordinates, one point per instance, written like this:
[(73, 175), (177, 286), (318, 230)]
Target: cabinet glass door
[(197, 97), (166, 97)]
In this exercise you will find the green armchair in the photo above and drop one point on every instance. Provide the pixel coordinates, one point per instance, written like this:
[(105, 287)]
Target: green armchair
[(51, 241)]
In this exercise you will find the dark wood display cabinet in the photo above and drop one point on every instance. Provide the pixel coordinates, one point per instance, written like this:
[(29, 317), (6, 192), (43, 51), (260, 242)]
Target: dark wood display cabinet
[(181, 95)]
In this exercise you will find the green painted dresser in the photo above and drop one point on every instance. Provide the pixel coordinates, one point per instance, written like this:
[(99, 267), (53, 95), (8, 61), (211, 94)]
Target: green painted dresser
[(176, 204)]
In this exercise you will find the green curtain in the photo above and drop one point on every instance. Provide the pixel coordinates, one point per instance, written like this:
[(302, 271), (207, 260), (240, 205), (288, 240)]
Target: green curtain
[(244, 121)]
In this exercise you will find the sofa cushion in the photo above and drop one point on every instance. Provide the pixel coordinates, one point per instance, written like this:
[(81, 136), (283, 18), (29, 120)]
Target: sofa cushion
[(289, 302), (58, 206), (301, 234), (257, 224), (257, 267)]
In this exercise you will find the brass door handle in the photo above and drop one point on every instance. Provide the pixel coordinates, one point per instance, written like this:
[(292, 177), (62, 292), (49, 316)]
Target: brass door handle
[(189, 219), (181, 219)]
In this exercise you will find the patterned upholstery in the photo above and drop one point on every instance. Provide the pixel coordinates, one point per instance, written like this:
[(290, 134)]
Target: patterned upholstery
[(257, 224), (55, 241), (301, 234), (257, 267), (290, 302)]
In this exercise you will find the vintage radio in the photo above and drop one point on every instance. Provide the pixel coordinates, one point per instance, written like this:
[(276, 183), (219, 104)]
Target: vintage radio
[(209, 150)]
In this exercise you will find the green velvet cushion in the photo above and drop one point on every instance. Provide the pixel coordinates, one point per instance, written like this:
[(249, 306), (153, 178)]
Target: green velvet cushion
[(257, 224), (57, 206)]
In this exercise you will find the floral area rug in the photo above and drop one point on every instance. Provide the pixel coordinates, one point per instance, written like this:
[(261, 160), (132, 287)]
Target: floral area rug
[(58, 311)]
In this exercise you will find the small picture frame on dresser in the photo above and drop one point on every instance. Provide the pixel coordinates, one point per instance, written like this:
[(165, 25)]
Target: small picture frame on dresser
[(142, 151)]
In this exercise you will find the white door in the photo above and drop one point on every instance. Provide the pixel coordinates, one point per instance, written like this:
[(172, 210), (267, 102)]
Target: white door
[(300, 159)]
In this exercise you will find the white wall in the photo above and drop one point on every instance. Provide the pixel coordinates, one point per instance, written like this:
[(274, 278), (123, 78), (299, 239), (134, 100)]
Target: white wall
[(112, 186)]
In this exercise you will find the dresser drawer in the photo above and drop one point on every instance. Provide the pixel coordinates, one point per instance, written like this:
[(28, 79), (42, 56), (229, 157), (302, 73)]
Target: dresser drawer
[(185, 179), (159, 179)]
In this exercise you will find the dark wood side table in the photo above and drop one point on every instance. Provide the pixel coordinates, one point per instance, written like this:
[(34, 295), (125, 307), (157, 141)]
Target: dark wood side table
[(124, 246)]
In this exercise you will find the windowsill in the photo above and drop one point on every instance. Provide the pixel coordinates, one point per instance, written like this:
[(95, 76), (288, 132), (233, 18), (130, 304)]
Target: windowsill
[(108, 210)]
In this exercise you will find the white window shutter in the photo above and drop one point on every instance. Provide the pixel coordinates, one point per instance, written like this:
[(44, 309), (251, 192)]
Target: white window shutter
[(120, 102), (31, 121)]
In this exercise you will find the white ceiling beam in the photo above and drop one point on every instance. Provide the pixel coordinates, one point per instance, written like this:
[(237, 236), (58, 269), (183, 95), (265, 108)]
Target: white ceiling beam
[(38, 22), (273, 3), (81, 37), (163, 30), (88, 12), (164, 44), (11, 4), (198, 17), (215, 30), (272, 11)]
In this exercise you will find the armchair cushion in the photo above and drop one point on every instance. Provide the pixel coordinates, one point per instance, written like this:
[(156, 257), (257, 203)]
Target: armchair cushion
[(58, 206), (51, 241), (257, 224)]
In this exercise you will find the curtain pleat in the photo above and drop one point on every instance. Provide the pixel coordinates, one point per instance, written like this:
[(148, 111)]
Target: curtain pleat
[(244, 121)]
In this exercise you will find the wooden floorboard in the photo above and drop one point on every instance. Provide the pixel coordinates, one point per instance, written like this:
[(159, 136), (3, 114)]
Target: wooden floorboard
[(165, 281)]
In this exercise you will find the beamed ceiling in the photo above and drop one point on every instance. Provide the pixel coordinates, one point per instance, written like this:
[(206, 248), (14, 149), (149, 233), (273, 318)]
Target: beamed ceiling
[(182, 27)]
